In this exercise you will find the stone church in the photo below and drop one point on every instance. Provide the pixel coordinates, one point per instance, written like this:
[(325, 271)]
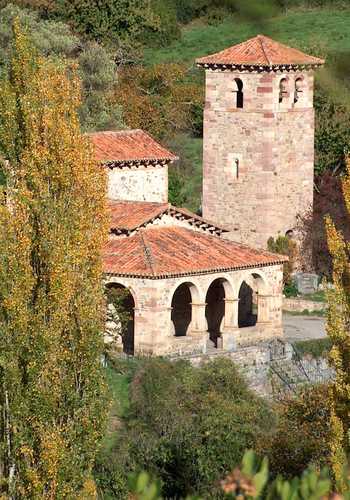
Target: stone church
[(192, 284)]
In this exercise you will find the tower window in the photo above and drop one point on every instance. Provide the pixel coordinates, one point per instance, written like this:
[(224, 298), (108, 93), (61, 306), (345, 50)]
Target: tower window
[(298, 90), (283, 93), (239, 93)]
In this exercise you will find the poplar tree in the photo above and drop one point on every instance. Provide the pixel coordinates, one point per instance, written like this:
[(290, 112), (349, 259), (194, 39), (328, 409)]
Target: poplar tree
[(52, 227), (338, 329)]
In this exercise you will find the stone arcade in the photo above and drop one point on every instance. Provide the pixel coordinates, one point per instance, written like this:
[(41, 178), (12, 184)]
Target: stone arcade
[(190, 287)]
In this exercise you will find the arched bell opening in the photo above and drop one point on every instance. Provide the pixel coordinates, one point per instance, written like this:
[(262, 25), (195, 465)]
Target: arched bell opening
[(121, 315)]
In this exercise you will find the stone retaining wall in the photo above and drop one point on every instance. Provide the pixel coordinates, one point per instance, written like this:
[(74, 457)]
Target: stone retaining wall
[(300, 305)]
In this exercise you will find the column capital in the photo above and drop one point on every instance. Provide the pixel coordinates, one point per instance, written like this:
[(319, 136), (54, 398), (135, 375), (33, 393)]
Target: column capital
[(229, 301)]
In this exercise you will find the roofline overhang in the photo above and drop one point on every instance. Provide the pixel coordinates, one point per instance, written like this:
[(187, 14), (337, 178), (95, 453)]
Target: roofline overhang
[(260, 68), (141, 162), (192, 219), (197, 273)]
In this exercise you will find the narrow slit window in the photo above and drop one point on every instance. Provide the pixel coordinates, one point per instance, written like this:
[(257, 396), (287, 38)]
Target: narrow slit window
[(239, 93)]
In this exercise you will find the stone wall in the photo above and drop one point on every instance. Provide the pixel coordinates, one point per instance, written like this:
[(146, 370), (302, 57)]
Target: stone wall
[(143, 183), (257, 160), (300, 305), (154, 330)]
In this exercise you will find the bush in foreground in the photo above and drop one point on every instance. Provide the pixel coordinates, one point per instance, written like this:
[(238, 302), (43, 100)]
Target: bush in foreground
[(188, 426)]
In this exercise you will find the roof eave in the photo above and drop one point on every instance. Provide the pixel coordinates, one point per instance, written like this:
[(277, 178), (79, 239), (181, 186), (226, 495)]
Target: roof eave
[(250, 67), (139, 162), (196, 273)]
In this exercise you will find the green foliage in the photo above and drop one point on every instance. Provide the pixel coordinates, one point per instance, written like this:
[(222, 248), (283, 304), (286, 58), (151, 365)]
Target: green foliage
[(162, 99), (185, 177), (108, 21), (318, 348), (290, 289), (284, 245), (143, 487), (332, 133), (251, 482), (52, 392), (51, 38), (325, 27), (338, 331), (188, 426), (96, 65), (301, 437)]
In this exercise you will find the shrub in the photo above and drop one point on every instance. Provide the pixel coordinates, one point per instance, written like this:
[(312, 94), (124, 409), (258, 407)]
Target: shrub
[(161, 99), (188, 426), (284, 246), (302, 434), (316, 348)]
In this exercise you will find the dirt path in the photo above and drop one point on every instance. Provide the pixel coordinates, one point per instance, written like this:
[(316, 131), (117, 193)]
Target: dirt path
[(303, 327)]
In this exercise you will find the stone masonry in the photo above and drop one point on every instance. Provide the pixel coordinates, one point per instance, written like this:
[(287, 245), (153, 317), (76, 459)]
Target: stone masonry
[(139, 183), (153, 327), (258, 160)]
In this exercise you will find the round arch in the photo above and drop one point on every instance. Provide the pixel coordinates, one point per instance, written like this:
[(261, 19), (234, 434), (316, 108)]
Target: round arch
[(283, 89), (218, 291), (120, 322), (182, 299), (251, 286)]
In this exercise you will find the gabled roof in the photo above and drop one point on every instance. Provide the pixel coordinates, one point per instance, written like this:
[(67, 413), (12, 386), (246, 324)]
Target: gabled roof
[(128, 146), (164, 251), (259, 51), (128, 216)]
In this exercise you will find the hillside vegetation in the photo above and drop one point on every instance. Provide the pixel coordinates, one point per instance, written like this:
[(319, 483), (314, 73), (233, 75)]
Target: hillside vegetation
[(136, 60)]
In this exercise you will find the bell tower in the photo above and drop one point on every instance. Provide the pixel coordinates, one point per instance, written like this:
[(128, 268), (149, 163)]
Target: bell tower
[(258, 153)]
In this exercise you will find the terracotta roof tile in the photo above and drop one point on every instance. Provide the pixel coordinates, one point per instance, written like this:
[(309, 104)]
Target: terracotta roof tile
[(130, 215), (260, 51), (127, 146), (159, 252)]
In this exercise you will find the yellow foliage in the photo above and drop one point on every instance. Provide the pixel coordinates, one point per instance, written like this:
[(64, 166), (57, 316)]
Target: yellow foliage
[(53, 225), (338, 322)]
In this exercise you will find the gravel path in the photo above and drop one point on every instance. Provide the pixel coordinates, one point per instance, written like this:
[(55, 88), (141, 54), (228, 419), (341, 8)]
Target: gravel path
[(303, 327)]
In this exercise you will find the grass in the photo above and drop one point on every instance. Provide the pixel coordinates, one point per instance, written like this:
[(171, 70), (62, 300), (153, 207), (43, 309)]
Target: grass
[(299, 28), (318, 296), (119, 374), (317, 348)]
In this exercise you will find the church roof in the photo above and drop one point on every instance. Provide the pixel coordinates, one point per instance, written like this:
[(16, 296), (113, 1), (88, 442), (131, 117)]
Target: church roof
[(165, 251), (128, 146), (127, 216), (259, 51)]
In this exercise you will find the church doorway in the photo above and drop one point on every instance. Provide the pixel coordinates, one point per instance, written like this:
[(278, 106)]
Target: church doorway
[(121, 315)]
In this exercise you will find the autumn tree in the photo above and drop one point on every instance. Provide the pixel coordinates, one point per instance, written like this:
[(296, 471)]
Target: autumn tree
[(338, 329), (52, 228)]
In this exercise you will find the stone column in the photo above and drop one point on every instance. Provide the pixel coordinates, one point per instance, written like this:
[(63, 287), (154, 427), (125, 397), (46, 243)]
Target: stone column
[(264, 308), (199, 322), (230, 329), (199, 325)]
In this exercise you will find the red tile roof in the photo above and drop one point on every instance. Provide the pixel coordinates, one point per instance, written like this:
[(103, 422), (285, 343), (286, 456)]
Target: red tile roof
[(128, 146), (164, 251), (260, 51), (130, 215)]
